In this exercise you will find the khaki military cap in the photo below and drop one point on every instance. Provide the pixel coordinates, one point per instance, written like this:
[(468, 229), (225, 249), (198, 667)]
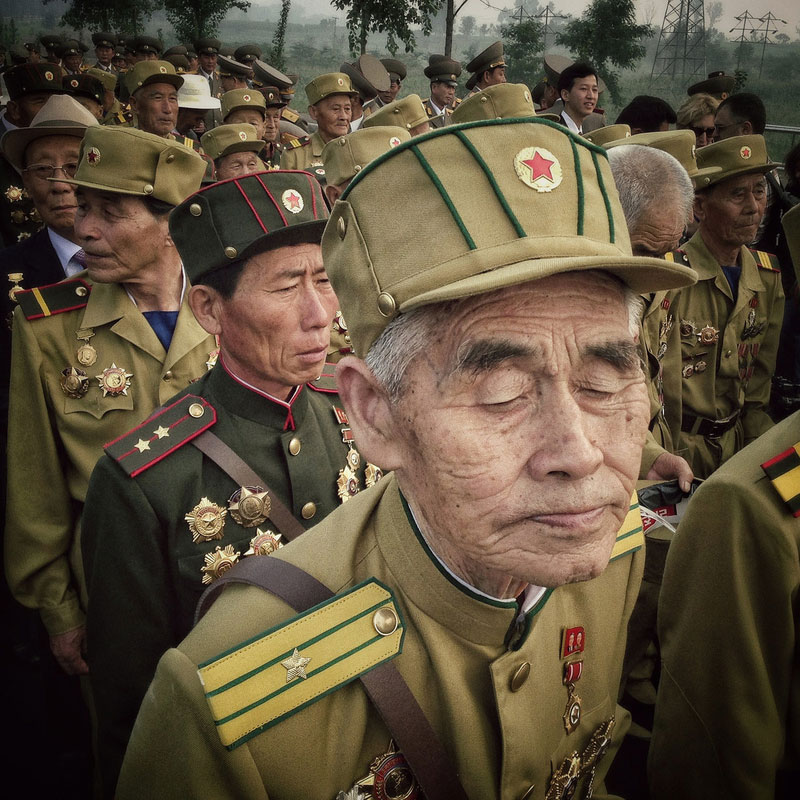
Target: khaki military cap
[(269, 76), (223, 140), (32, 79), (104, 39), (444, 69), (234, 219), (502, 101), (230, 66), (207, 47), (791, 227), (488, 232), (609, 133), (247, 53), (407, 113), (325, 85), (196, 93), (129, 161), (345, 157), (61, 115), (716, 84), (681, 145), (108, 79), (397, 69), (147, 72), (242, 98), (738, 155)]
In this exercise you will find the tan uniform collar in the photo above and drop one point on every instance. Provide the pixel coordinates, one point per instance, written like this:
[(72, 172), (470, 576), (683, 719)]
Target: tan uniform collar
[(707, 267)]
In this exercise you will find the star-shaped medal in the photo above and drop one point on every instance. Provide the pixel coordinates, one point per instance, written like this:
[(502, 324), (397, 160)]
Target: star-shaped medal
[(295, 666)]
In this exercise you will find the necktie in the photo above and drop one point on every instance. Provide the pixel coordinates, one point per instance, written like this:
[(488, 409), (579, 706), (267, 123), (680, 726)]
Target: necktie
[(80, 258)]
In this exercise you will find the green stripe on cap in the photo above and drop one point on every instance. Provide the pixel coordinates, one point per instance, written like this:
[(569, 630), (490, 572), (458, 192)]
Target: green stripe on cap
[(602, 184), (579, 184)]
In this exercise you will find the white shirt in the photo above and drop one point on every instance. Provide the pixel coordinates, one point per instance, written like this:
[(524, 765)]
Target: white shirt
[(571, 124), (65, 250)]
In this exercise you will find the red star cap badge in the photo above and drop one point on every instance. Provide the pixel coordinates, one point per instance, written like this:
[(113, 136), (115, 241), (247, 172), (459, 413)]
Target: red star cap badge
[(539, 166)]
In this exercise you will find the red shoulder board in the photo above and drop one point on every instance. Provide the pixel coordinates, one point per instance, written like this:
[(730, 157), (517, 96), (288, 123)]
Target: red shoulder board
[(168, 429), (55, 298), (326, 382), (677, 257), (766, 260)]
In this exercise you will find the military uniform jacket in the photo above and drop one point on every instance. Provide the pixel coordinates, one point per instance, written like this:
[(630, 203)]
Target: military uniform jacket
[(728, 353), (459, 655), (19, 219), (305, 154), (435, 120), (727, 721), (55, 440)]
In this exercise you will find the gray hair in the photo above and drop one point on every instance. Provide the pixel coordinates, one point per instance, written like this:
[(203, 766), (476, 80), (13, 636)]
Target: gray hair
[(410, 334), (648, 180)]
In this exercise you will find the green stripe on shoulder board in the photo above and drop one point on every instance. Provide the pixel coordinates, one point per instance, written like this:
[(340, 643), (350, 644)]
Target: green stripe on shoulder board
[(56, 298), (630, 536), (287, 668)]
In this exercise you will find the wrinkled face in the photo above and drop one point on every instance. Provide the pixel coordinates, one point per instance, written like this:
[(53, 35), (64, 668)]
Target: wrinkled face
[(731, 212), (272, 122), (521, 430), (494, 76), (581, 99), (156, 106), (391, 95), (123, 241), (658, 231), (333, 114), (92, 106), (442, 93), (250, 115), (104, 54), (275, 329), (54, 199), (208, 63), (237, 164)]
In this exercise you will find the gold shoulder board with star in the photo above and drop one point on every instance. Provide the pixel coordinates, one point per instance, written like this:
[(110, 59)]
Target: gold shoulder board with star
[(56, 298), (281, 671), (784, 473), (326, 381), (766, 260), (294, 144), (630, 536), (290, 115), (677, 257), (168, 429)]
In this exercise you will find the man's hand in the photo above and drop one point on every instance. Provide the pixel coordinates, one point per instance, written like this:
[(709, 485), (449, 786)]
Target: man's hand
[(68, 649), (667, 467)]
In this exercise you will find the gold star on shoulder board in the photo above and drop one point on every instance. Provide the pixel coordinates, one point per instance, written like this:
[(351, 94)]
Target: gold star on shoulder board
[(142, 445), (161, 432), (295, 666)]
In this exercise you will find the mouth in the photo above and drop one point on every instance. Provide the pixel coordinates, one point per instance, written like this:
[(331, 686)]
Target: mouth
[(572, 520), (313, 356)]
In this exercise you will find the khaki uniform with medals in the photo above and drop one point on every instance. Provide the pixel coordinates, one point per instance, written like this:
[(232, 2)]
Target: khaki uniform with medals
[(305, 154)]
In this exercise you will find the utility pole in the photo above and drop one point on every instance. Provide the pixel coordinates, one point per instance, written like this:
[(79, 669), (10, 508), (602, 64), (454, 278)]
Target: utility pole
[(745, 29), (547, 14), (681, 49), (767, 20)]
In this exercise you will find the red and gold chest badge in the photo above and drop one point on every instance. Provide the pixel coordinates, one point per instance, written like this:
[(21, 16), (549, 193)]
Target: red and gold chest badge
[(114, 380), (390, 778), (538, 168), (573, 642), (206, 521)]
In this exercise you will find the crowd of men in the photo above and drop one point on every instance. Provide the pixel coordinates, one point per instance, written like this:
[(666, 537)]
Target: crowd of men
[(225, 324)]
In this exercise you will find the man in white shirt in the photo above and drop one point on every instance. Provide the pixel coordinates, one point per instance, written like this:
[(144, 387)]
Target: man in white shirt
[(578, 88)]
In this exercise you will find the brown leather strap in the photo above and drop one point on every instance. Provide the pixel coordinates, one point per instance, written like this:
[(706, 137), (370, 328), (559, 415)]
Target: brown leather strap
[(229, 462), (384, 685)]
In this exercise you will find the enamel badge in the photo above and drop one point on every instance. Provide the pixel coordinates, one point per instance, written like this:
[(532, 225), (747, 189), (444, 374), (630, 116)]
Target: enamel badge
[(206, 521), (249, 506), (218, 563), (114, 380), (74, 382)]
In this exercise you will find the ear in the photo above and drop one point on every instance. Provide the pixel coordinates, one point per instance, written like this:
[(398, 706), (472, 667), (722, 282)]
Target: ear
[(12, 112), (699, 206), (132, 101), (370, 414), (333, 193), (206, 306), (312, 112), (747, 128), (564, 95)]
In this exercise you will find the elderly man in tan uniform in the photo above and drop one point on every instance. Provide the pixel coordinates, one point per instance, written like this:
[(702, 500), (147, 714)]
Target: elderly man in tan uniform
[(92, 356), (497, 375)]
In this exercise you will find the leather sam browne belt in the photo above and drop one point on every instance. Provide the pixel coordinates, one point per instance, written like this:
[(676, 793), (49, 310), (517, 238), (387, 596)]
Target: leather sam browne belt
[(708, 428)]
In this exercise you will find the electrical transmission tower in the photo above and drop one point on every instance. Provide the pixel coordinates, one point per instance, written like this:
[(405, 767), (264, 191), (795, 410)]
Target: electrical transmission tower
[(681, 50), (545, 16)]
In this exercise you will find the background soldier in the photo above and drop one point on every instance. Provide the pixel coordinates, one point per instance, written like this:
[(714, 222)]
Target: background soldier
[(207, 53), (442, 73), (104, 45), (397, 74), (234, 150), (88, 91), (488, 68), (153, 88)]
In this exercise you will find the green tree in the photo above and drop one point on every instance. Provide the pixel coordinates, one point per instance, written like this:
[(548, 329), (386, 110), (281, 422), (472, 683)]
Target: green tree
[(523, 42), (119, 15), (279, 37), (192, 19), (607, 34), (468, 26)]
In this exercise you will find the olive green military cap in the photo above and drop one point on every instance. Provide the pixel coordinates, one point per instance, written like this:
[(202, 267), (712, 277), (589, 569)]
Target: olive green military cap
[(441, 68), (397, 69), (129, 161), (207, 47), (609, 133), (737, 155), (32, 78), (247, 53), (84, 85), (480, 190), (325, 85), (234, 219), (242, 98), (681, 145), (716, 84), (50, 41), (272, 96), (489, 58), (227, 51), (408, 112), (502, 101), (108, 79), (343, 158), (105, 39), (269, 76), (230, 66), (147, 72), (238, 137), (147, 44), (70, 47), (180, 62), (175, 50)]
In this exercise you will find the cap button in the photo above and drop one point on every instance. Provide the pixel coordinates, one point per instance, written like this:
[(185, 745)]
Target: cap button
[(147, 188), (81, 291), (195, 210), (341, 227), (386, 304), (231, 252), (170, 158)]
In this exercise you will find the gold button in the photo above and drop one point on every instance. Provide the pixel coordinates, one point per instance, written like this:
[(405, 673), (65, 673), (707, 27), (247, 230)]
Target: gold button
[(308, 510), (520, 676), (386, 304), (195, 210), (385, 621), (231, 252), (170, 158), (356, 167), (168, 376), (341, 227), (347, 338), (529, 793), (728, 354), (147, 188), (483, 99), (294, 446), (196, 410), (81, 291)]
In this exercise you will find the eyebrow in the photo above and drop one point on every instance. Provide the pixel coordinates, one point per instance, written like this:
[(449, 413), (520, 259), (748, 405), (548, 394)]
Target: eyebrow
[(622, 355)]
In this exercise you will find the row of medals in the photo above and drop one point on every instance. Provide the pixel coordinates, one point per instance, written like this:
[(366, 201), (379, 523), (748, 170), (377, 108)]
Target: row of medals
[(250, 506), (74, 381)]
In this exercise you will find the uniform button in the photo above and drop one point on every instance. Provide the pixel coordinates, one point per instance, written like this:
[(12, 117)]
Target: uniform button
[(385, 621), (520, 676), (168, 376), (528, 793), (195, 410), (728, 353), (81, 291), (308, 510), (294, 446)]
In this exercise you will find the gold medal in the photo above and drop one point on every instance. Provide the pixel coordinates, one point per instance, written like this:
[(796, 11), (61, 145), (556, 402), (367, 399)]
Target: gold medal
[(389, 778), (15, 278), (114, 380), (572, 713), (206, 521), (594, 752), (372, 474), (264, 543), (218, 563), (565, 779), (86, 354), (212, 358), (249, 506), (347, 484), (74, 382), (708, 335), (353, 458)]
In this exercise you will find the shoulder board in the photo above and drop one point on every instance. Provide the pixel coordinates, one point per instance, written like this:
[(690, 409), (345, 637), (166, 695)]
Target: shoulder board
[(55, 298), (287, 668), (630, 536), (294, 144), (288, 114), (187, 141), (677, 256), (784, 473), (168, 429), (766, 260), (457, 102), (327, 381)]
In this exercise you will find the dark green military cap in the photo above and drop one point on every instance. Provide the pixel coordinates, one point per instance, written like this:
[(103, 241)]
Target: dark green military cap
[(234, 219), (50, 41), (716, 84), (325, 85), (489, 58), (502, 101), (19, 54), (239, 137), (70, 47), (397, 69), (272, 96), (737, 155), (442, 68), (207, 47), (227, 51), (269, 76), (230, 66), (147, 72), (180, 62), (31, 47), (32, 79), (104, 39), (247, 53), (148, 44), (84, 85), (175, 50)]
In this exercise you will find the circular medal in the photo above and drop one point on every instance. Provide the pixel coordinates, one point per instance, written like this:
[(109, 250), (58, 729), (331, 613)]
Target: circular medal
[(74, 382), (86, 355), (206, 521), (353, 458), (218, 563), (264, 543), (249, 506), (114, 380), (393, 778), (708, 335)]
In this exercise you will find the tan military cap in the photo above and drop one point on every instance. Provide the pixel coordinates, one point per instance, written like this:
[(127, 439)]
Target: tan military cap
[(716, 84), (502, 101), (108, 79), (488, 233), (239, 137), (147, 72), (681, 145), (609, 133), (345, 157), (129, 161), (737, 155), (242, 98), (196, 93), (330, 83), (407, 113), (61, 115)]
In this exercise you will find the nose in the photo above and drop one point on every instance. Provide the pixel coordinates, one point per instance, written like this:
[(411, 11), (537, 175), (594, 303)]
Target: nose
[(318, 307), (85, 229)]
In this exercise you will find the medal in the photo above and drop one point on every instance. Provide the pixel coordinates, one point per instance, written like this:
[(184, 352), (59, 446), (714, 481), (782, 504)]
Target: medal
[(15, 278), (687, 328), (212, 358), (249, 506), (594, 751), (708, 335), (86, 354), (264, 543), (687, 371), (389, 778), (565, 779), (572, 713), (372, 474), (573, 641), (74, 382), (114, 380), (347, 484), (353, 458), (206, 521), (218, 563)]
